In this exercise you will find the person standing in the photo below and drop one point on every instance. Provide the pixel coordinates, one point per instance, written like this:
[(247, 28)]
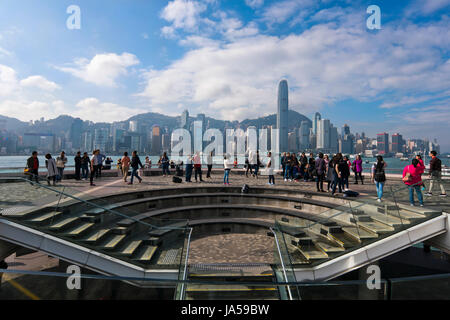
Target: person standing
[(100, 159), (338, 165), (135, 163), (287, 167), (379, 176), (165, 164), (435, 174), (198, 166), (283, 163), (269, 168), (321, 168), (209, 163), (94, 166), (33, 167), (412, 177), (85, 166), (61, 164), (227, 165), (357, 169), (189, 166), (345, 170), (52, 171), (77, 161), (125, 166)]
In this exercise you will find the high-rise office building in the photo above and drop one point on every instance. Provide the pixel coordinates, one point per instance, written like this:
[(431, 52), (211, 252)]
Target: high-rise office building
[(292, 142), (323, 134), (345, 130), (156, 140), (100, 139), (133, 126), (317, 118), (383, 143), (303, 139), (184, 120), (75, 133), (282, 115), (397, 143), (333, 146)]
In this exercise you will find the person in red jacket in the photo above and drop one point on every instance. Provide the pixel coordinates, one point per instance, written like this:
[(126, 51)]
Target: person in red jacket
[(412, 177)]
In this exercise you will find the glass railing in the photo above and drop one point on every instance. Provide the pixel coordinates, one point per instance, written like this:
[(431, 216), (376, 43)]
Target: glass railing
[(51, 285), (312, 238), (130, 230)]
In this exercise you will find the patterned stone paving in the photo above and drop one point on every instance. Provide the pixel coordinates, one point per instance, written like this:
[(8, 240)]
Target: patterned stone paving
[(232, 248)]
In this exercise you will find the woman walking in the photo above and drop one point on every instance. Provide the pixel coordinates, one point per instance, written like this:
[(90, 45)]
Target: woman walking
[(125, 166), (227, 165), (357, 169), (52, 170), (378, 176), (135, 163), (269, 168), (412, 177), (189, 166)]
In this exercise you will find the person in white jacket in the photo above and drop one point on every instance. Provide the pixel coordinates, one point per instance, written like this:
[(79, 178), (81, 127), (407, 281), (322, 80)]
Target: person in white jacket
[(52, 170), (227, 164), (269, 168)]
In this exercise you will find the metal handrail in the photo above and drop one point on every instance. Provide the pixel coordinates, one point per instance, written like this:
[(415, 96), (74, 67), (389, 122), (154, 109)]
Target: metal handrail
[(282, 263), (182, 293)]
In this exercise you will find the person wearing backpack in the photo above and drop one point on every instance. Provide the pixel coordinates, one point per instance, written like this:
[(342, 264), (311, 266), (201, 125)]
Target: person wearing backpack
[(379, 176), (435, 174), (412, 177), (269, 169)]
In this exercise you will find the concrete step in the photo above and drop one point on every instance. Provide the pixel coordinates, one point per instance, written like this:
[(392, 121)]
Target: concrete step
[(65, 223), (130, 248), (146, 253), (97, 235), (80, 229)]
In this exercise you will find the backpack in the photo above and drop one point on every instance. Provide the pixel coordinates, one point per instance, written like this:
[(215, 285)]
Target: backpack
[(245, 188), (350, 193)]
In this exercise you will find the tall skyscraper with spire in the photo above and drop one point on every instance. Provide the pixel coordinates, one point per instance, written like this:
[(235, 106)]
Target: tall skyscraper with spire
[(282, 115), (317, 118)]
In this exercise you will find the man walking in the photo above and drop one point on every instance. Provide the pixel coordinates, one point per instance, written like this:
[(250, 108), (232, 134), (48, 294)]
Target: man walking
[(435, 174)]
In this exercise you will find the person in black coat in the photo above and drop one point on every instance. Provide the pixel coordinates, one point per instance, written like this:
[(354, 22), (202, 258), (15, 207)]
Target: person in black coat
[(77, 160), (135, 163)]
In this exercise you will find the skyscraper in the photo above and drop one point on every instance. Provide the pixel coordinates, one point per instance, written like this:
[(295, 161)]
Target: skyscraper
[(383, 143), (75, 133), (282, 115), (304, 135), (184, 120), (323, 134), (156, 140), (397, 143), (317, 118)]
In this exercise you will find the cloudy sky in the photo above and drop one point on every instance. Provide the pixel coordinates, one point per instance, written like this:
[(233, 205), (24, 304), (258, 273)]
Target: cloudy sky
[(224, 58)]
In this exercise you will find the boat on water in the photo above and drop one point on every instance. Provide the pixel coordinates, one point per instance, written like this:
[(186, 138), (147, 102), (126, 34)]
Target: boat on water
[(404, 159)]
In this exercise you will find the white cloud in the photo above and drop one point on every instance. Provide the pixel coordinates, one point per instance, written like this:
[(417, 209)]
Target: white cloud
[(97, 111), (103, 69), (254, 3), (421, 7), (183, 14), (39, 82), (8, 80), (325, 64)]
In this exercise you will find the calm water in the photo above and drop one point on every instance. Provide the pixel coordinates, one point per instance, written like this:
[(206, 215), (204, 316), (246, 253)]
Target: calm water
[(394, 165)]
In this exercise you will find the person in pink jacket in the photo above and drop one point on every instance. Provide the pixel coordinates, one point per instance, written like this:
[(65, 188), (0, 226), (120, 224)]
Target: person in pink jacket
[(412, 177), (357, 169)]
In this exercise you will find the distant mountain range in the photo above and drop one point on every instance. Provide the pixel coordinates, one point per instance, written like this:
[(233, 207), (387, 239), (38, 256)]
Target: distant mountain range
[(61, 125)]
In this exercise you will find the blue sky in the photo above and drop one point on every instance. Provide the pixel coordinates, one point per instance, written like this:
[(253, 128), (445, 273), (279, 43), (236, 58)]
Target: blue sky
[(225, 58)]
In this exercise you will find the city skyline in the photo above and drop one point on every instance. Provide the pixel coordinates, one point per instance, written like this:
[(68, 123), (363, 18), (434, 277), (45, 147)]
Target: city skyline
[(223, 59)]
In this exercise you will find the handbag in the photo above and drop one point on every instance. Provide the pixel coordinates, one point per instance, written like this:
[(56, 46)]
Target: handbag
[(407, 177)]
